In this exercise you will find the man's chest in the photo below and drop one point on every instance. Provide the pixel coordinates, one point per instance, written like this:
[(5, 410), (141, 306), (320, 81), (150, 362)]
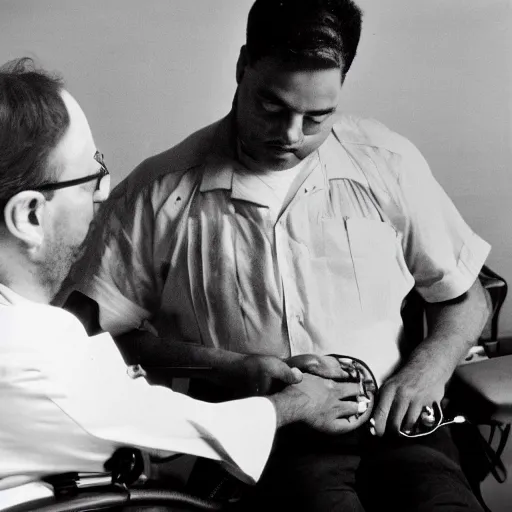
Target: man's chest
[(326, 264)]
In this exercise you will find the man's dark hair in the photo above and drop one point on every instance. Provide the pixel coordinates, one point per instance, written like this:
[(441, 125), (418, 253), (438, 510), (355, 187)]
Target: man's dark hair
[(33, 119), (326, 32)]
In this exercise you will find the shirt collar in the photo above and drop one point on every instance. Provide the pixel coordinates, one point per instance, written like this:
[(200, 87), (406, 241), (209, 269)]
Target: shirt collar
[(222, 168), (10, 298), (221, 165), (221, 162), (337, 162)]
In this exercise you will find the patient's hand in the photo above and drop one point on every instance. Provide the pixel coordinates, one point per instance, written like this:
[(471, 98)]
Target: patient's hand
[(404, 395), (329, 367), (323, 366), (323, 404)]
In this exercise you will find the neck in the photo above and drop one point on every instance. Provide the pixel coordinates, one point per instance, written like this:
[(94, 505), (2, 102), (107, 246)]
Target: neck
[(21, 277), (26, 291)]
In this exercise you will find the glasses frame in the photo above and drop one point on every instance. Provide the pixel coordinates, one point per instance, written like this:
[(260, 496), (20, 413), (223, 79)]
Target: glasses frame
[(47, 187)]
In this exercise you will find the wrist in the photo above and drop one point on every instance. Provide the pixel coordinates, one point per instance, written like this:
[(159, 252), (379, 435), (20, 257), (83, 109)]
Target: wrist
[(288, 409), (226, 363)]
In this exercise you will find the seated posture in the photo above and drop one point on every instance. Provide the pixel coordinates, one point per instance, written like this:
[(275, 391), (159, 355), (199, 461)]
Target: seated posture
[(68, 400), (287, 228)]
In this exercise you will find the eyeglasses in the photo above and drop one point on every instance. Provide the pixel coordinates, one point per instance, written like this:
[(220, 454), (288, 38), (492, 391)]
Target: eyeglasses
[(102, 188)]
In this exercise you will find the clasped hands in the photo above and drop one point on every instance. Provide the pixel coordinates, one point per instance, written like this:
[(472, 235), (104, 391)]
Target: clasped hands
[(329, 399), (333, 403)]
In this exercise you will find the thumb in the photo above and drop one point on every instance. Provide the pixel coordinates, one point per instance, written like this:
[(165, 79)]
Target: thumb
[(291, 375)]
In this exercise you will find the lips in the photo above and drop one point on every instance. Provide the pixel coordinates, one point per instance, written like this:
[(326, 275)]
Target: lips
[(275, 148)]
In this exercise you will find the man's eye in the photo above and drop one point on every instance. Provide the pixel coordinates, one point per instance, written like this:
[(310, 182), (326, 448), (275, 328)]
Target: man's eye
[(318, 119), (271, 107)]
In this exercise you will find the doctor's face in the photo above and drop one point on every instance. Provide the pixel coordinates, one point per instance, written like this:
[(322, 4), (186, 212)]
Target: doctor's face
[(72, 207), (284, 112)]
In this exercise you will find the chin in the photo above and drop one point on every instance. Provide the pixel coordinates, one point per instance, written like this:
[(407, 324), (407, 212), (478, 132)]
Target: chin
[(279, 161)]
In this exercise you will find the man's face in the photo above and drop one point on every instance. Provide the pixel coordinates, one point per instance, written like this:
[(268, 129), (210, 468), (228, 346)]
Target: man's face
[(284, 112), (71, 209)]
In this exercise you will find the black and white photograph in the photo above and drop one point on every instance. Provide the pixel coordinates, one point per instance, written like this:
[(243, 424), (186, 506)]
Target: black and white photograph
[(255, 255)]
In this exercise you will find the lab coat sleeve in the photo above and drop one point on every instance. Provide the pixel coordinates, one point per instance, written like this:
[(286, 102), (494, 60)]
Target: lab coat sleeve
[(93, 387)]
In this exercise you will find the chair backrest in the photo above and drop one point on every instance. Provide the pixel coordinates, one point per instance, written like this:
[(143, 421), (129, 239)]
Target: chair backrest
[(498, 289)]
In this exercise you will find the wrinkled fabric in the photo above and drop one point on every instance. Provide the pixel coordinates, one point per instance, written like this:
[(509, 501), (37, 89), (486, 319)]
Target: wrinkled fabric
[(183, 249)]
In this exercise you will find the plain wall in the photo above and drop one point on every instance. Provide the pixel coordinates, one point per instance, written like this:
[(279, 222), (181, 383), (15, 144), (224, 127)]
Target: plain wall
[(149, 73)]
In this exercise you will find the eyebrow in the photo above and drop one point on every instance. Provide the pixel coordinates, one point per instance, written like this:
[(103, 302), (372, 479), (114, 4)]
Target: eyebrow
[(274, 98)]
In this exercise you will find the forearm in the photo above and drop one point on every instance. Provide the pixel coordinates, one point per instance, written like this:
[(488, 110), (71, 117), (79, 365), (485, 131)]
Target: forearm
[(453, 328), (150, 351)]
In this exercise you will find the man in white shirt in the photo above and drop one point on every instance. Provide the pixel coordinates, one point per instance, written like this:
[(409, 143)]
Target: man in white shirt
[(288, 228), (68, 400)]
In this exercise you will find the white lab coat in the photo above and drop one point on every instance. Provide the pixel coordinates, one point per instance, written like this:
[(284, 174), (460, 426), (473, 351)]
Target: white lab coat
[(67, 403)]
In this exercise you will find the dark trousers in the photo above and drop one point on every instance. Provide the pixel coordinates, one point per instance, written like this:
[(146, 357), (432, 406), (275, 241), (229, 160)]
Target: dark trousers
[(354, 472), (357, 472)]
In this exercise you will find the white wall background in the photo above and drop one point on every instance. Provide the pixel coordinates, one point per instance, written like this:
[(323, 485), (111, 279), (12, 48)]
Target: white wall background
[(148, 73)]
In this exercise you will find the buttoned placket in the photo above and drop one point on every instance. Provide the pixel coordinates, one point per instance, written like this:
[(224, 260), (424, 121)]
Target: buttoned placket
[(293, 311)]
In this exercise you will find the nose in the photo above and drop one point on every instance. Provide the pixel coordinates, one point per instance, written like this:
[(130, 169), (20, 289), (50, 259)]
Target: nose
[(292, 130)]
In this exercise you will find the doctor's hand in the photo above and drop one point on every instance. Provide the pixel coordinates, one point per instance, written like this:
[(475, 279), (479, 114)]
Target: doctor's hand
[(323, 404), (403, 396), (254, 374)]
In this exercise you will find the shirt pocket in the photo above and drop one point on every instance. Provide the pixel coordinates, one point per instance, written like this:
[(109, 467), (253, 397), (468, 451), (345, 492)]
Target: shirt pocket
[(331, 292), (377, 259)]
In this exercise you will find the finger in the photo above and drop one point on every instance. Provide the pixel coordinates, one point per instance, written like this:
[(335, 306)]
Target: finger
[(344, 390), (345, 409), (328, 373), (412, 417), (329, 367), (339, 426), (264, 384), (303, 361), (288, 375), (397, 413), (298, 375), (344, 425), (365, 406), (428, 415), (349, 367), (381, 410)]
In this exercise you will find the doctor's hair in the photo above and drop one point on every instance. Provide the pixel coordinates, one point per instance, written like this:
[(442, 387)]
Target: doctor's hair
[(33, 119), (322, 33)]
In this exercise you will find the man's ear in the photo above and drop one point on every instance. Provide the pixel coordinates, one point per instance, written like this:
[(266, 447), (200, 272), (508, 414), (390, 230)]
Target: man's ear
[(24, 217), (242, 63)]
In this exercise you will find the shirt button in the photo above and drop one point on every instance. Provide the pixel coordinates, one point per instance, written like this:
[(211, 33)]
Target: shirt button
[(295, 318)]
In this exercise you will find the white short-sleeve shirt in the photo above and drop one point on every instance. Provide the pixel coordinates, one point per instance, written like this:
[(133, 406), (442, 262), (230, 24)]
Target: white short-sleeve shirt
[(186, 248)]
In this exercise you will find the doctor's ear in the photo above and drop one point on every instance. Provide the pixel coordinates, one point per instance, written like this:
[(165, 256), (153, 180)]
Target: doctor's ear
[(242, 63), (23, 216)]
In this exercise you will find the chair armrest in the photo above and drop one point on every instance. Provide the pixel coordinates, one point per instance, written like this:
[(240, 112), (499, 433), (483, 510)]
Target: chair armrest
[(84, 501), (113, 498), (482, 391)]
